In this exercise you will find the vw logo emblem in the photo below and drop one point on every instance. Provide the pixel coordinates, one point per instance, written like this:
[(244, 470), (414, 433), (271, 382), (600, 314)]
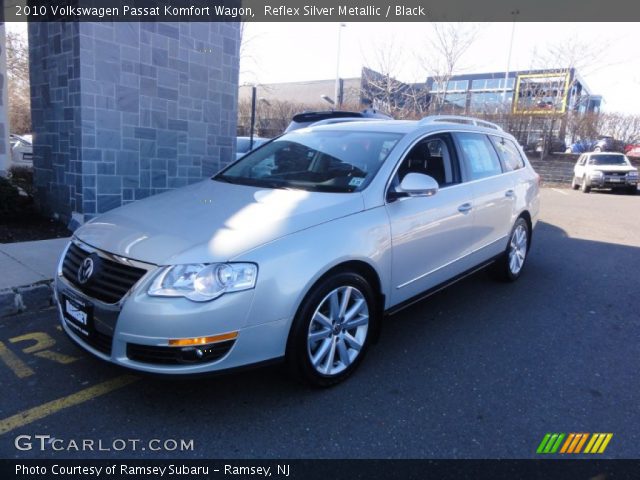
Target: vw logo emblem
[(86, 270)]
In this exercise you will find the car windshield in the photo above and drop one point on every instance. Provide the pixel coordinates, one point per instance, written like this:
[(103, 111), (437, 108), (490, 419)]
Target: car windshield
[(608, 160), (324, 160)]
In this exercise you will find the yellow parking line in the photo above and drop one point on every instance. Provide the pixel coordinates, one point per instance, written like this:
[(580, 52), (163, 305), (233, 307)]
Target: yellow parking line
[(16, 365), (31, 415)]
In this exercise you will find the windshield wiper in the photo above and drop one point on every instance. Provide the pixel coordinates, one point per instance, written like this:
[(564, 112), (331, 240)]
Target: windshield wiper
[(253, 182)]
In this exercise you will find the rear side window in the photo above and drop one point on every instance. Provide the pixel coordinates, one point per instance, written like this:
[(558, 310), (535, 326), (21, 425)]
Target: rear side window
[(479, 155), (508, 152)]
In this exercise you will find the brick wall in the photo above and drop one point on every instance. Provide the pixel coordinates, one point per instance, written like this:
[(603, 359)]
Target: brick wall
[(127, 110)]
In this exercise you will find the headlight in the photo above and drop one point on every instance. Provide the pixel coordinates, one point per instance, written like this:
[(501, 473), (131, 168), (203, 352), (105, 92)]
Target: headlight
[(632, 174), (201, 283), (596, 173)]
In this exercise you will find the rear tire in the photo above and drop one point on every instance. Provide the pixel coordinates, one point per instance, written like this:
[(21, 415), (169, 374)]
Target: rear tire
[(509, 266), (332, 330)]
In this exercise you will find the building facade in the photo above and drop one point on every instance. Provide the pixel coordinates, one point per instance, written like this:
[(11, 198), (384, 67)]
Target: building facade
[(121, 110), (535, 92)]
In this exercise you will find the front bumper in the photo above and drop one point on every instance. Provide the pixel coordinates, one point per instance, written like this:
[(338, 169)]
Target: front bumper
[(612, 181), (135, 332)]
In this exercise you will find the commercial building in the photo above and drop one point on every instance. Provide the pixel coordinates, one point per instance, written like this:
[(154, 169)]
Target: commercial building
[(531, 92)]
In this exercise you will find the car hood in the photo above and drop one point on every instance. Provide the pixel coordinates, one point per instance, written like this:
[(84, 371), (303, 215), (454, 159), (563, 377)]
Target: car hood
[(614, 168), (211, 221)]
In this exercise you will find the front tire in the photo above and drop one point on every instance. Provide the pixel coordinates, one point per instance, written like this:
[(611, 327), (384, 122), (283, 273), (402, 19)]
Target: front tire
[(509, 266), (574, 183), (632, 190), (584, 188), (332, 330)]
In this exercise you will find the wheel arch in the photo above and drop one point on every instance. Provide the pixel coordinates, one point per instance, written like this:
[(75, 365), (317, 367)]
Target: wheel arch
[(360, 267)]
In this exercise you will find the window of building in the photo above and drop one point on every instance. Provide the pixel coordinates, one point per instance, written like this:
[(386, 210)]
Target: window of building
[(452, 86), (479, 155), (508, 152), (489, 102), (492, 84), (456, 101)]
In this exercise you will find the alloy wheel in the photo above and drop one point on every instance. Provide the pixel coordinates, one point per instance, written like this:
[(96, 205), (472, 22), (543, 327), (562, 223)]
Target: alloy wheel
[(517, 249), (338, 330)]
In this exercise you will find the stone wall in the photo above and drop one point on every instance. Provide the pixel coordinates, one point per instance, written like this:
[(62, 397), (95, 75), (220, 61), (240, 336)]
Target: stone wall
[(5, 151), (122, 111)]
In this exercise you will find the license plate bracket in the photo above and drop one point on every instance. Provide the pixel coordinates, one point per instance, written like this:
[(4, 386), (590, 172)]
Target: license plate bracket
[(78, 316)]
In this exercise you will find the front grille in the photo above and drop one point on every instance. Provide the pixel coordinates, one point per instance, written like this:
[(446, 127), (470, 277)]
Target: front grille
[(99, 341), (615, 174), (95, 339), (109, 283), (178, 355)]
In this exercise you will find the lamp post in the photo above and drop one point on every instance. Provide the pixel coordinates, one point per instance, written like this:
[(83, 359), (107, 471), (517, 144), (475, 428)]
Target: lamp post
[(253, 115), (514, 14), (337, 97)]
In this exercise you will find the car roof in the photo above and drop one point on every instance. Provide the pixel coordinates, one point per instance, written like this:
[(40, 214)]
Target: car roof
[(405, 127)]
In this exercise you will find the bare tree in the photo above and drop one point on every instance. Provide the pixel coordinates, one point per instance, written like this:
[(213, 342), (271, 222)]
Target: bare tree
[(622, 127), (249, 63), (443, 51), (18, 83), (379, 82)]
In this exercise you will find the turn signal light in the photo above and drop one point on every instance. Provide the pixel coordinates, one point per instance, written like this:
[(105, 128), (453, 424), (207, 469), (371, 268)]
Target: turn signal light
[(185, 342)]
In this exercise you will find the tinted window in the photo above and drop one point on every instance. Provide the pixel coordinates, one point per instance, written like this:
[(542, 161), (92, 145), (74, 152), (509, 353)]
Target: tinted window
[(508, 152), (479, 155), (608, 160), (432, 157)]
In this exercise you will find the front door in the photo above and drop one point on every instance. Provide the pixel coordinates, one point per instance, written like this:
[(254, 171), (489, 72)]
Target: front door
[(429, 234)]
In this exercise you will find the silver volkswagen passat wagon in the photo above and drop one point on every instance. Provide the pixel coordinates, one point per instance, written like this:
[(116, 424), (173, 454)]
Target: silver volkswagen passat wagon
[(298, 250)]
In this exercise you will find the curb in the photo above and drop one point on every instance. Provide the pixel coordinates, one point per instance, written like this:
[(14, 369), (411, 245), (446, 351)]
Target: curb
[(36, 296)]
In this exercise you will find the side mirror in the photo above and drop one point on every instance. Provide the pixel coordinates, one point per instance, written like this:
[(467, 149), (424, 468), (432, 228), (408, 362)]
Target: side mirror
[(417, 185)]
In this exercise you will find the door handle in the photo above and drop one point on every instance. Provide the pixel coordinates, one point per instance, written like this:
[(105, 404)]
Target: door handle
[(510, 194), (464, 208)]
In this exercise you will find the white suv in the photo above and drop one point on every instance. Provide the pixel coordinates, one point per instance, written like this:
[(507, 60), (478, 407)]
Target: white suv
[(604, 170), (298, 249)]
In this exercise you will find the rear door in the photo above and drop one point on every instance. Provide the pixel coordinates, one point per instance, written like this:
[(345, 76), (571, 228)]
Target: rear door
[(493, 194)]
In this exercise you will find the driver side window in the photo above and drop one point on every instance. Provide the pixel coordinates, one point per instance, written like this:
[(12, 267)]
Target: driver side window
[(432, 156)]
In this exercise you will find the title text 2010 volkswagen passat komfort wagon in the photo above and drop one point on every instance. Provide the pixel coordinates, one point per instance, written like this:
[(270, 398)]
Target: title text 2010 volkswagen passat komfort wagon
[(298, 249)]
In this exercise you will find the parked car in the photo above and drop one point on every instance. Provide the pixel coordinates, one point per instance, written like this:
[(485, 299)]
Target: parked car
[(300, 249), (632, 149), (243, 145), (604, 170), (556, 145), (306, 119), (601, 144), (21, 150)]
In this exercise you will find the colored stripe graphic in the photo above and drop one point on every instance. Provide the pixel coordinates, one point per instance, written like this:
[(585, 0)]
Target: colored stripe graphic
[(550, 443), (574, 442)]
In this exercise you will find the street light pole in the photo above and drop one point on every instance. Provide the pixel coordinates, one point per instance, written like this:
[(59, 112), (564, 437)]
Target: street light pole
[(253, 116), (514, 13), (337, 97)]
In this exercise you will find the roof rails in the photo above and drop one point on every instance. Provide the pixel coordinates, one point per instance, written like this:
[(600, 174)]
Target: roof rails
[(458, 119)]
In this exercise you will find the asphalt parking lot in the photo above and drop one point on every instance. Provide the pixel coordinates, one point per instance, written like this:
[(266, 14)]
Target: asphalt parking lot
[(480, 370)]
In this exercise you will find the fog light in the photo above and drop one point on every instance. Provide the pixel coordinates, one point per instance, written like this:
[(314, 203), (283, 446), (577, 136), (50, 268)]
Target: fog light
[(185, 342)]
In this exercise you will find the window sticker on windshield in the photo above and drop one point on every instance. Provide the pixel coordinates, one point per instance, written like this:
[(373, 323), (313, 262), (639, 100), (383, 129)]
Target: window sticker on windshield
[(356, 181)]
